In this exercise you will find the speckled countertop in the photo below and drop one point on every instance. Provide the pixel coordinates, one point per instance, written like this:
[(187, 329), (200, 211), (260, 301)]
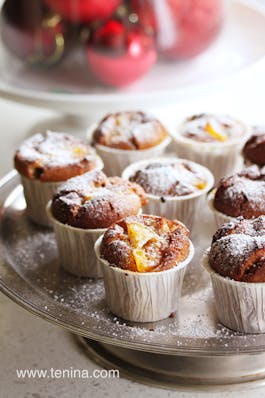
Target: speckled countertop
[(29, 342)]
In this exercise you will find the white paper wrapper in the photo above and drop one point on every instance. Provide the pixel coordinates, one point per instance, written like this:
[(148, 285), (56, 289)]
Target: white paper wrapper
[(76, 248), (143, 297), (183, 208), (220, 218), (221, 158), (37, 195), (115, 160), (239, 305)]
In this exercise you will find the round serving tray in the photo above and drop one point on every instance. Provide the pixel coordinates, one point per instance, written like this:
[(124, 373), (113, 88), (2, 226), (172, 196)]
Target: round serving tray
[(239, 48), (30, 274), (194, 351)]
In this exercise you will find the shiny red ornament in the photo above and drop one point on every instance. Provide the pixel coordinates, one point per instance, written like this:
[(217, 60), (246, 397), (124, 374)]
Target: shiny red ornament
[(118, 55), (84, 10), (35, 36), (191, 26)]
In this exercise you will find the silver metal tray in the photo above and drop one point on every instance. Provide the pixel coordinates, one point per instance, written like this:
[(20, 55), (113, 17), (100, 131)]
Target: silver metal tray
[(31, 275)]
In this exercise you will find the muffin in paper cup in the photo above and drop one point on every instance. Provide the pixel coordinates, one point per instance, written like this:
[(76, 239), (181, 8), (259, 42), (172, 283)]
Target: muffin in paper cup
[(220, 218), (143, 297), (125, 137), (45, 161), (239, 305), (222, 158), (80, 212), (115, 160), (183, 208), (38, 193), (76, 247)]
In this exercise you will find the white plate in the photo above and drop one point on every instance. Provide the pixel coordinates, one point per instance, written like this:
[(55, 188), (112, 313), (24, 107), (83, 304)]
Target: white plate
[(240, 47)]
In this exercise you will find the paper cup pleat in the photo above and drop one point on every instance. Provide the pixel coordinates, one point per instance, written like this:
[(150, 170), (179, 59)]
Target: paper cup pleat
[(37, 195), (222, 160), (143, 297), (183, 208), (115, 160), (185, 211), (76, 248), (240, 306), (219, 218)]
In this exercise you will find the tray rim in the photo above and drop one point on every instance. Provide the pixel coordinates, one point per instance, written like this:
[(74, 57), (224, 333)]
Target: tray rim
[(23, 300)]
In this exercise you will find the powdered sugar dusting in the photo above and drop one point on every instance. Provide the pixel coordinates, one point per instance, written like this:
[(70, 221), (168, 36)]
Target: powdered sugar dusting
[(31, 252), (55, 149), (170, 179), (194, 127)]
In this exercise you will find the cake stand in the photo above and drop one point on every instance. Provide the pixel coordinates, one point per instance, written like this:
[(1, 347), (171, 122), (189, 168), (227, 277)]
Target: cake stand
[(193, 351), (239, 49)]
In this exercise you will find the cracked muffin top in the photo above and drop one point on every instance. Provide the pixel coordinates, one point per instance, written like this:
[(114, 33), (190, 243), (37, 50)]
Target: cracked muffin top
[(254, 149), (55, 157), (170, 178), (238, 250), (94, 201), (129, 131), (242, 194), (210, 128), (145, 243)]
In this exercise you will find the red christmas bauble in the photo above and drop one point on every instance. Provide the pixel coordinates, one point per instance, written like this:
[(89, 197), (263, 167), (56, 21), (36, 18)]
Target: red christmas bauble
[(144, 10), (84, 10), (119, 55), (32, 34), (191, 26)]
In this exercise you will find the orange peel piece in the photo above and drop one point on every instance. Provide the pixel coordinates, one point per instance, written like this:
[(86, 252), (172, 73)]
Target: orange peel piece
[(200, 184), (215, 134)]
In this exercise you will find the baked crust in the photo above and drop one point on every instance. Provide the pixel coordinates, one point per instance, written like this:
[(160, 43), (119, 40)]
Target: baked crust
[(238, 250), (94, 201), (129, 131), (254, 149), (170, 179), (54, 157), (145, 244), (242, 194), (206, 127)]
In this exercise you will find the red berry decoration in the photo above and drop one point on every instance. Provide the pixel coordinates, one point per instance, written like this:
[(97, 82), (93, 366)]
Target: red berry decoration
[(118, 55), (84, 10), (191, 26), (31, 33)]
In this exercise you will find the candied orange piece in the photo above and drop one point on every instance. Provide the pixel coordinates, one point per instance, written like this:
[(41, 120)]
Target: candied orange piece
[(200, 184), (142, 263), (139, 234), (215, 134)]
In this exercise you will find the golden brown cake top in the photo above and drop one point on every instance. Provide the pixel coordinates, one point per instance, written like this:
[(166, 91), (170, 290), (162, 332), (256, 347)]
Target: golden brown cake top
[(254, 149), (145, 244), (238, 250), (170, 178), (130, 131), (94, 201), (53, 156), (242, 194), (212, 128)]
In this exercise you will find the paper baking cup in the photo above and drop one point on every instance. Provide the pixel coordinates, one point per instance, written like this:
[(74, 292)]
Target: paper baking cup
[(37, 195), (115, 160), (222, 158), (183, 208), (143, 297), (76, 248), (239, 305), (220, 218)]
